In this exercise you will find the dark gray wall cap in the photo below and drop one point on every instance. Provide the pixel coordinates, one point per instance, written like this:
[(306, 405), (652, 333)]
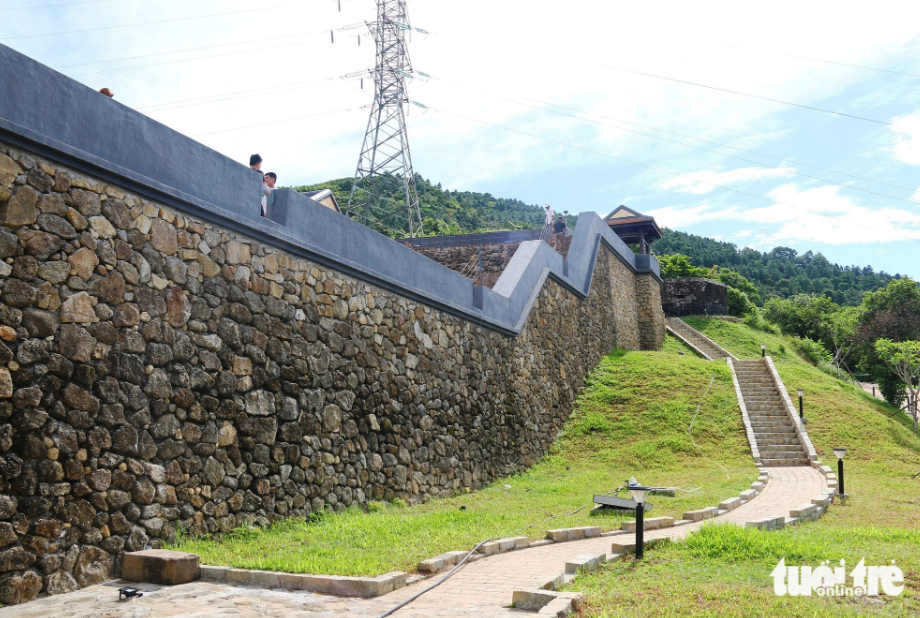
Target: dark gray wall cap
[(63, 120)]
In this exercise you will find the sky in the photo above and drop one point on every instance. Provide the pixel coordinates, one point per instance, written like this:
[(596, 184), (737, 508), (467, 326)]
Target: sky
[(584, 106)]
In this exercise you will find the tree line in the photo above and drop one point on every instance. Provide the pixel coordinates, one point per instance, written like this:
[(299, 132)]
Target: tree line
[(780, 273)]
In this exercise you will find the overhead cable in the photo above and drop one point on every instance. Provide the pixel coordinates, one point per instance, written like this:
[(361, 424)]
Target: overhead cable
[(715, 152), (652, 168), (744, 94), (709, 141), (148, 23), (262, 124), (843, 64), (178, 60), (189, 49), (46, 6), (238, 94)]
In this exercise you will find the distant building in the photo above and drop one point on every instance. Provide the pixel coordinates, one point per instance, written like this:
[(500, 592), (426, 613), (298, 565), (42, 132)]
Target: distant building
[(634, 228), (694, 296), (324, 197)]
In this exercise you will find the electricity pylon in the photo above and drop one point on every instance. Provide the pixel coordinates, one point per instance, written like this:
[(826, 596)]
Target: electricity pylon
[(385, 165)]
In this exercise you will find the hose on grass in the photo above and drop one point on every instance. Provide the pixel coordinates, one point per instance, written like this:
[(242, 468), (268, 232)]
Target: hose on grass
[(463, 562), (690, 432), (437, 583)]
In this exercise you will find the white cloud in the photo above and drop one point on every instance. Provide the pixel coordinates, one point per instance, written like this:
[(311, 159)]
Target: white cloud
[(704, 182), (907, 138), (818, 215)]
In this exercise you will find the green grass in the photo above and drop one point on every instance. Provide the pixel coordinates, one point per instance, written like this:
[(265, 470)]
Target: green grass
[(725, 571), (632, 420)]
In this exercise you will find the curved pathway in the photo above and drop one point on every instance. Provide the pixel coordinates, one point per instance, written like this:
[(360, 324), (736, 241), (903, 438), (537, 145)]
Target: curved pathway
[(482, 588)]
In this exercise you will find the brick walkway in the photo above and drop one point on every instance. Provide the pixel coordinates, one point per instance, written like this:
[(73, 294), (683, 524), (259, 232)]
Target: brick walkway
[(482, 588)]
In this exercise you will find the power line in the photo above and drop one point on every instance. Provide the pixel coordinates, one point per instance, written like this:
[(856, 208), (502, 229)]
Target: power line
[(239, 94), (744, 94), (843, 64), (833, 182), (649, 167), (43, 6), (231, 53), (147, 23), (709, 141), (191, 49), (262, 124)]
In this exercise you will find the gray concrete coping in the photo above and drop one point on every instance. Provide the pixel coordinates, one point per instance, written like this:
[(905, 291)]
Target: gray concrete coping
[(56, 117)]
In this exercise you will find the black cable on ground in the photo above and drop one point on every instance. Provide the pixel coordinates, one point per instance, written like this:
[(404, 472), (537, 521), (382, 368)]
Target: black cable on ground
[(436, 584)]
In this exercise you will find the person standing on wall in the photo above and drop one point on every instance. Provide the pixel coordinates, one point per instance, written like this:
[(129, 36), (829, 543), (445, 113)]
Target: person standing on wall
[(559, 228), (548, 222), (268, 198), (255, 163)]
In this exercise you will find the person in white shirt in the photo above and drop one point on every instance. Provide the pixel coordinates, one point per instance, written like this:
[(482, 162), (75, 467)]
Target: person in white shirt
[(268, 185), (548, 222)]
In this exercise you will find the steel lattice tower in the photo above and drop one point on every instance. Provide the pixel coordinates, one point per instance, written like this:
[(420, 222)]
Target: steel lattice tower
[(385, 165)]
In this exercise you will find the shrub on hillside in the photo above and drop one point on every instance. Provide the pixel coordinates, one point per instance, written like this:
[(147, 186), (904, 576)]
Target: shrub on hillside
[(813, 351)]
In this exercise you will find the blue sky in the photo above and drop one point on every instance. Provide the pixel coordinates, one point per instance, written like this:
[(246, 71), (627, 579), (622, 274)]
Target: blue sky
[(265, 77)]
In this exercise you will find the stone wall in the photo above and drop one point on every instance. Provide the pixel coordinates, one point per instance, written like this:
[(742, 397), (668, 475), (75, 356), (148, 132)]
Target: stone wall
[(495, 257), (694, 296), (161, 373)]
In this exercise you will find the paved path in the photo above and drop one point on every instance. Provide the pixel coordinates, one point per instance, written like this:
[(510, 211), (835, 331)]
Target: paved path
[(482, 588)]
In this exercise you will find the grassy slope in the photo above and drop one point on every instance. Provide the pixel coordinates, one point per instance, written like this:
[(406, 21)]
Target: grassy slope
[(631, 420), (726, 571)]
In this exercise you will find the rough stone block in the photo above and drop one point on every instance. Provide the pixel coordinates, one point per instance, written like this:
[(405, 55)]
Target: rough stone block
[(767, 523), (560, 607), (757, 485), (160, 566), (432, 565), (653, 523), (490, 548), (213, 573), (532, 600), (805, 511), (701, 514), (585, 563), (731, 504), (264, 579), (623, 547), (747, 495)]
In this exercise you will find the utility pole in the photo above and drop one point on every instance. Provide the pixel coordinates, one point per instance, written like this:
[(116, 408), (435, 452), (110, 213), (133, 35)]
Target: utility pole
[(385, 165)]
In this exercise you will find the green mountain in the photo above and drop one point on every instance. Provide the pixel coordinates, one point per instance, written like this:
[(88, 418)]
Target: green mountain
[(782, 272), (451, 212)]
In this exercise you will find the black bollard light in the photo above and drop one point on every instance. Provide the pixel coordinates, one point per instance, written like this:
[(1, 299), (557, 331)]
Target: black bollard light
[(840, 452), (639, 492), (801, 392), (763, 350)]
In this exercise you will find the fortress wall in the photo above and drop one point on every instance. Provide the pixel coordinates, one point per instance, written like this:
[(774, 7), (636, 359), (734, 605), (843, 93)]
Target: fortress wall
[(160, 372)]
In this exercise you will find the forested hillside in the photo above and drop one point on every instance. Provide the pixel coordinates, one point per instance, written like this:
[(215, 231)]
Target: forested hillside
[(781, 272), (452, 212)]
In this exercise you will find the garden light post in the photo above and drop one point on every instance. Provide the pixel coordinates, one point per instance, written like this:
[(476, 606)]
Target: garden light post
[(801, 392), (763, 350), (639, 492), (840, 452)]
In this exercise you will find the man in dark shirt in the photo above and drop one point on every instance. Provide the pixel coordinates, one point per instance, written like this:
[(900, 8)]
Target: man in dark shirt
[(559, 228)]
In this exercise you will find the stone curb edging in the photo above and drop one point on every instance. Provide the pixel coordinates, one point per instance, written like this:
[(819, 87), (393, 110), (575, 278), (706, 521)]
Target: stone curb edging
[(745, 418), (791, 411), (329, 584), (714, 344), (695, 349)]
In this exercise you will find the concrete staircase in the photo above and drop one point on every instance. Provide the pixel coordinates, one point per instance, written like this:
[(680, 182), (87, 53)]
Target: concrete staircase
[(702, 345), (775, 432)]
